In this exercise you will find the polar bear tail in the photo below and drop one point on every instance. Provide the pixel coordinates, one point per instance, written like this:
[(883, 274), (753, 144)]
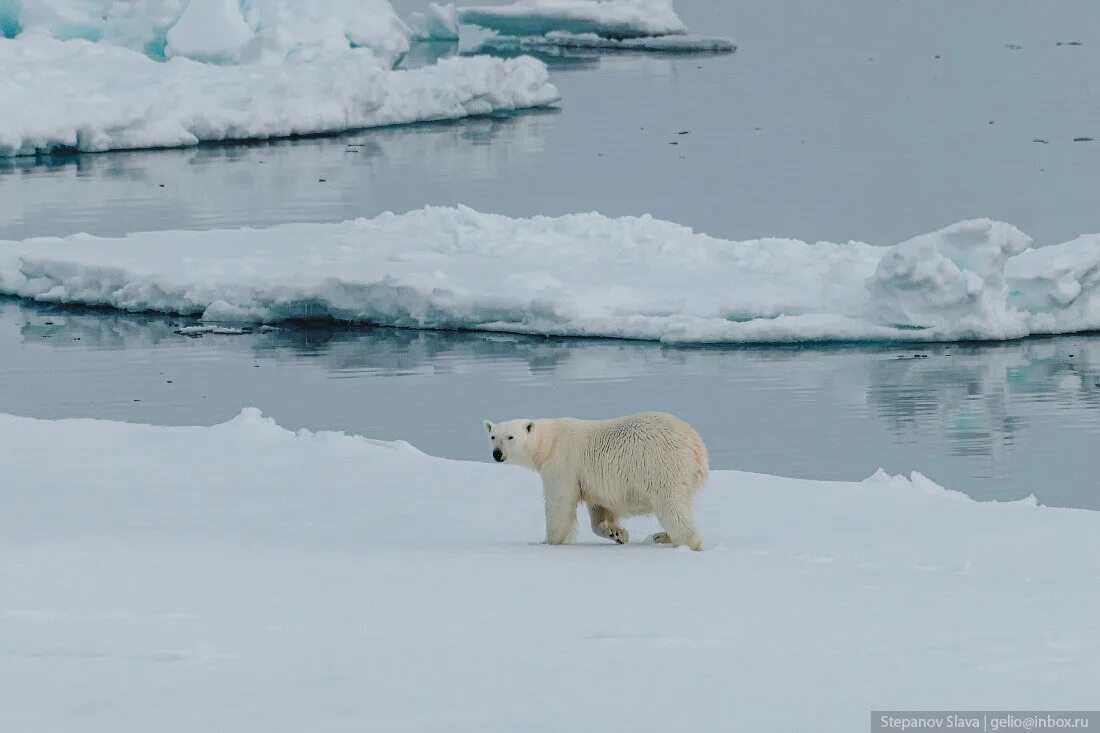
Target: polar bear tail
[(702, 468)]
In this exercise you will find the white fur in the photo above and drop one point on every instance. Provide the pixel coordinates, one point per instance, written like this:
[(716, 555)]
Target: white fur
[(649, 463)]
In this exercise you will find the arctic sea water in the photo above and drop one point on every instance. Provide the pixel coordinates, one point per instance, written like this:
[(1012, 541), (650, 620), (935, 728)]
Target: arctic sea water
[(857, 120)]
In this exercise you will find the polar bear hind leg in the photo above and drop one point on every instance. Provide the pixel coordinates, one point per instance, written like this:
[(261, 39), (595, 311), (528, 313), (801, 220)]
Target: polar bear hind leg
[(676, 519)]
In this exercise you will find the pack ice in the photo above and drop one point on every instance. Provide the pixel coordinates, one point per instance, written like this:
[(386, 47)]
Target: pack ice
[(296, 581), (579, 275)]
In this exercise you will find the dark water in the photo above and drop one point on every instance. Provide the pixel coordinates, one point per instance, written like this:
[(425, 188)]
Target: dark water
[(998, 422), (860, 119), (832, 121)]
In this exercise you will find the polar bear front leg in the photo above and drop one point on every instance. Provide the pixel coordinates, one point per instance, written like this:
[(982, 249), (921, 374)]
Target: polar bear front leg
[(561, 511), (604, 524)]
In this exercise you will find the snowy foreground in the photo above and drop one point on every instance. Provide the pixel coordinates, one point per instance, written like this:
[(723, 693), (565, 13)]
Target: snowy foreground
[(580, 275), (94, 96), (243, 577)]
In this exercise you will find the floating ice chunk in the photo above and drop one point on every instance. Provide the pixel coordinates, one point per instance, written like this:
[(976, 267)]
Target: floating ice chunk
[(607, 18), (209, 30), (578, 275), (562, 39), (92, 97), (953, 276), (438, 23)]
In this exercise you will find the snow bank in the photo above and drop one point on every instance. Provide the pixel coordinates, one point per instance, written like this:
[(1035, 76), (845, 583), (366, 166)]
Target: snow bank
[(92, 97), (221, 31), (323, 581), (561, 39), (437, 23), (579, 275), (608, 18)]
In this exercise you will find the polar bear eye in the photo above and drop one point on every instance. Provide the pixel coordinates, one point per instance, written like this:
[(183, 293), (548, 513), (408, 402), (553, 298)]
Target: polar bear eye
[(510, 437)]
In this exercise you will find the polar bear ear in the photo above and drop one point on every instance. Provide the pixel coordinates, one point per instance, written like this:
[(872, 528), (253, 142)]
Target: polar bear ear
[(529, 426), (488, 426)]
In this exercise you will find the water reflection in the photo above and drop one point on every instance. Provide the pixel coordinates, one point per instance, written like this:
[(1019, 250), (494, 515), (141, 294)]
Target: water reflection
[(998, 421), (968, 391), (225, 185)]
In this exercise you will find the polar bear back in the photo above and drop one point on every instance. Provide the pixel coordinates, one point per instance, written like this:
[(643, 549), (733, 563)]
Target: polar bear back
[(628, 464)]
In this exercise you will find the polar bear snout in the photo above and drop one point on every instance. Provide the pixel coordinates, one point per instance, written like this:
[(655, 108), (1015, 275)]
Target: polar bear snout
[(498, 455)]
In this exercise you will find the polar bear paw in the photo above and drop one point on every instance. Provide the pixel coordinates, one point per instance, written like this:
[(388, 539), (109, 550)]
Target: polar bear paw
[(613, 532), (663, 538)]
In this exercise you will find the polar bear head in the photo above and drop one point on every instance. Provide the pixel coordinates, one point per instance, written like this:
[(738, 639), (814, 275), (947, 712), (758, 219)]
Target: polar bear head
[(512, 441)]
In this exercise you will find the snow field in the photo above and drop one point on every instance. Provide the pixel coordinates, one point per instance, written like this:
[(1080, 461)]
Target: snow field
[(294, 580)]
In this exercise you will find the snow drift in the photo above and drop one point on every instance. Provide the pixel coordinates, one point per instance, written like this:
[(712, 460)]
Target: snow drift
[(297, 580), (579, 275), (607, 18), (85, 96)]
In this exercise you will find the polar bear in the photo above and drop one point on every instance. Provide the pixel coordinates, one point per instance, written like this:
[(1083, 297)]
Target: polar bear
[(649, 463)]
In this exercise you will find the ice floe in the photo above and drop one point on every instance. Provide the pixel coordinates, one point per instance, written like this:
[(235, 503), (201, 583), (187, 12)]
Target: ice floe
[(606, 18), (84, 96), (579, 275)]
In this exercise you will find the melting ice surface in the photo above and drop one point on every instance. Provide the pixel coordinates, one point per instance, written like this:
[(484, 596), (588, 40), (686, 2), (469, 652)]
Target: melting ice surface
[(579, 275)]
